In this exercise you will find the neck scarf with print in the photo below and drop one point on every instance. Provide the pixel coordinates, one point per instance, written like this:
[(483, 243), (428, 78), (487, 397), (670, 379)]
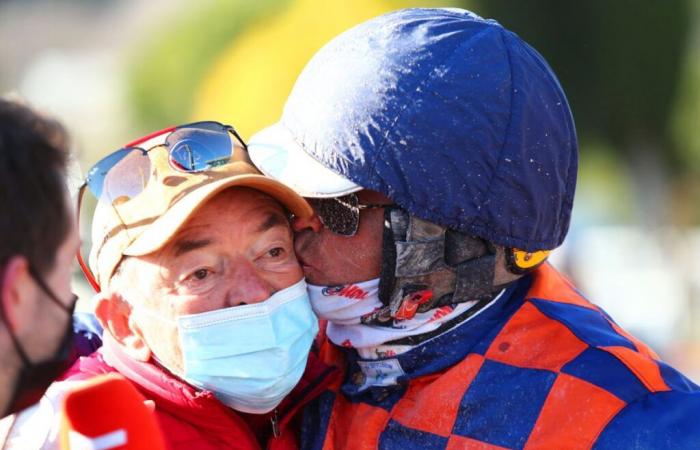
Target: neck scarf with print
[(344, 307)]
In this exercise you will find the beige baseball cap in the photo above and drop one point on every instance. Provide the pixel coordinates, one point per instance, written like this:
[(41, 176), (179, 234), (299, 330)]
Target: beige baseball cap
[(139, 224)]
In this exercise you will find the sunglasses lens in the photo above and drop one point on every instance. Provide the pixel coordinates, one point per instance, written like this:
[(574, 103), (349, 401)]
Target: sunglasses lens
[(121, 175), (340, 215), (199, 147)]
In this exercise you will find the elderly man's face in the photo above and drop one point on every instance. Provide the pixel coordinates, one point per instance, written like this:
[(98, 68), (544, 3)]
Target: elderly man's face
[(236, 249)]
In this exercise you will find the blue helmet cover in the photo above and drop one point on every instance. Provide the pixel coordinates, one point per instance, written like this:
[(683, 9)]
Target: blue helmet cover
[(453, 117)]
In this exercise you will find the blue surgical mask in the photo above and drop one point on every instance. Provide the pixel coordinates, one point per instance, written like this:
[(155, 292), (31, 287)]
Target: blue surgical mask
[(250, 356)]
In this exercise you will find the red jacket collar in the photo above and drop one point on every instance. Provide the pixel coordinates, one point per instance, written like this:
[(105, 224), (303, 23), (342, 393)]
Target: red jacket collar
[(175, 397), (198, 407)]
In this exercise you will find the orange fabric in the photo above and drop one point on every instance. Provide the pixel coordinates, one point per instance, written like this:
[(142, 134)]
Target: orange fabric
[(530, 339), (333, 356), (573, 416), (462, 443), (641, 347), (355, 424), (644, 368), (431, 403), (549, 283)]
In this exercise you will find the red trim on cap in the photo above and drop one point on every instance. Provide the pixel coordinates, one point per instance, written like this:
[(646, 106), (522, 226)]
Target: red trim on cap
[(81, 261), (150, 136)]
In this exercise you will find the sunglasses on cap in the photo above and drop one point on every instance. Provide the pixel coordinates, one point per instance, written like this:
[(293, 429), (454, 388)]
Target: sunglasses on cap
[(341, 215), (194, 147), (123, 174)]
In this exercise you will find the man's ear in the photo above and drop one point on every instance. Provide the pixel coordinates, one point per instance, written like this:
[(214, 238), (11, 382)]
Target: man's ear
[(17, 293), (114, 313)]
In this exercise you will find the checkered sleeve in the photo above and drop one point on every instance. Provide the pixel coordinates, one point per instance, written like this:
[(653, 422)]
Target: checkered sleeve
[(660, 420)]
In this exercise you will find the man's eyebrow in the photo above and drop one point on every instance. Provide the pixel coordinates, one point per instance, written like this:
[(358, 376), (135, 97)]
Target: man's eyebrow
[(273, 219), (188, 245)]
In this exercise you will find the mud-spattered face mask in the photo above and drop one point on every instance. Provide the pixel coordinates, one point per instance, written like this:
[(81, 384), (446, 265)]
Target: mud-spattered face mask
[(249, 356)]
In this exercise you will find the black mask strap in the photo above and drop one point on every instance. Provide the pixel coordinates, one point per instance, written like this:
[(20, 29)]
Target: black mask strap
[(34, 378), (47, 290), (387, 276), (15, 342)]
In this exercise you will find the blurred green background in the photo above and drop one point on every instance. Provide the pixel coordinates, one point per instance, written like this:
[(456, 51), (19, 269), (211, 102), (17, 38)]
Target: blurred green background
[(114, 70)]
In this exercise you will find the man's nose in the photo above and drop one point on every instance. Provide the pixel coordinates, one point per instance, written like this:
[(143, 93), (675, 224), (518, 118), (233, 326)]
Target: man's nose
[(247, 286), (312, 223)]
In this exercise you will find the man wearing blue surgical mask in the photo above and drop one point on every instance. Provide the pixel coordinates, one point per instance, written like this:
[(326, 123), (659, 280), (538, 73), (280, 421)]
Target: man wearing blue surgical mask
[(203, 302)]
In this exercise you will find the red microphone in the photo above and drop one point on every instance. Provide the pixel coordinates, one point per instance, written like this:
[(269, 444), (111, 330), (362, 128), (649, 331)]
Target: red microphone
[(108, 412)]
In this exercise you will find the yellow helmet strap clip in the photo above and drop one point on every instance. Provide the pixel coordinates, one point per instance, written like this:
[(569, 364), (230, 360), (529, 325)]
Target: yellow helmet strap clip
[(521, 261)]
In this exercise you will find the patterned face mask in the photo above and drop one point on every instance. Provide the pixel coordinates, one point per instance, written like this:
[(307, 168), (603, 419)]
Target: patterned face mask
[(347, 307)]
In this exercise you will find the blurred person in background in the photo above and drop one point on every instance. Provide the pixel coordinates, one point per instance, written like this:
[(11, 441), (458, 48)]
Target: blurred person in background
[(203, 303), (39, 240), (439, 153)]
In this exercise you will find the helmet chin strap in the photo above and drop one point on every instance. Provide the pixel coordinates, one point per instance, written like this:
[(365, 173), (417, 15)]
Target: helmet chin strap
[(426, 266)]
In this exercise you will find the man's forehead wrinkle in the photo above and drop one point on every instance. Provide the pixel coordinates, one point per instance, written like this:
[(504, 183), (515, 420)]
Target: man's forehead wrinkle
[(184, 244), (187, 245), (192, 231), (272, 219)]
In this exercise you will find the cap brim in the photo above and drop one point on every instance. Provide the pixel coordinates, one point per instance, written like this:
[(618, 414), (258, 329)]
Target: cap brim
[(164, 228), (276, 154)]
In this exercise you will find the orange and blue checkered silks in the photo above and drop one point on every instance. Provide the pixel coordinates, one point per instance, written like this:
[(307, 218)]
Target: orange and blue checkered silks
[(541, 368)]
